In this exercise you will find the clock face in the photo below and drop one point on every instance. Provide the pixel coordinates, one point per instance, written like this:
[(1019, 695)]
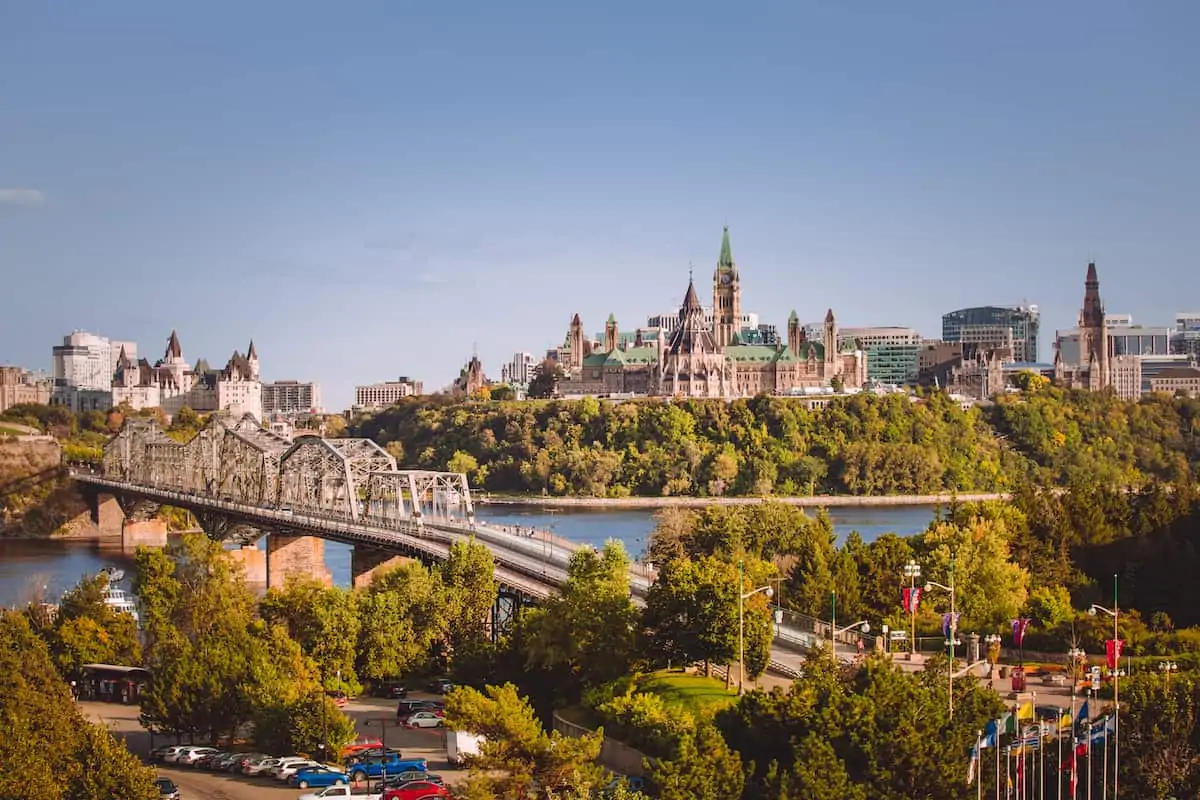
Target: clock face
[(726, 278)]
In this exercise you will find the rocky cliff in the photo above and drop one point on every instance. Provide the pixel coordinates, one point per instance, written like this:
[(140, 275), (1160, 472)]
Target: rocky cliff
[(36, 497)]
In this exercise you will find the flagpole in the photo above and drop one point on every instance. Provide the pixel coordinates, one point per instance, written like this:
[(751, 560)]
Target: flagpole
[(1116, 693), (1041, 761), (1088, 738), (979, 765), (1104, 745), (1008, 771), (997, 762), (1058, 744)]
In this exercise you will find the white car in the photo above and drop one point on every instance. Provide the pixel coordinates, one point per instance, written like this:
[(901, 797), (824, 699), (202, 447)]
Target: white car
[(425, 719), (334, 792), (260, 767), (288, 767), (193, 754), (179, 755)]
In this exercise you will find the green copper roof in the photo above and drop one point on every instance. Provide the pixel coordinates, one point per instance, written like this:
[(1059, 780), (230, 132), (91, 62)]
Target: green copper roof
[(793, 317), (759, 353), (726, 259)]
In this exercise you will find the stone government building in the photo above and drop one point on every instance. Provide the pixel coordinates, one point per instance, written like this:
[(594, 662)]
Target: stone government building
[(702, 358)]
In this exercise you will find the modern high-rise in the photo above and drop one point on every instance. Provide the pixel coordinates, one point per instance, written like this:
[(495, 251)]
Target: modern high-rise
[(291, 397), (518, 371), (382, 395), (990, 328), (1185, 339), (891, 352), (87, 361)]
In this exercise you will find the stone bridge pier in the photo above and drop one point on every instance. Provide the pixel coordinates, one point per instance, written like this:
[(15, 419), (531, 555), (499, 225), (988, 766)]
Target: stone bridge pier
[(288, 554), (366, 562), (131, 520)]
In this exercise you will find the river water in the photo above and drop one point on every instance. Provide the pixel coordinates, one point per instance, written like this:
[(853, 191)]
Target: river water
[(27, 565)]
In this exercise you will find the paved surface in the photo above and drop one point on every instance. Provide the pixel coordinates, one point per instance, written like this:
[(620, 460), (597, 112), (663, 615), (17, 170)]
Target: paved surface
[(200, 785)]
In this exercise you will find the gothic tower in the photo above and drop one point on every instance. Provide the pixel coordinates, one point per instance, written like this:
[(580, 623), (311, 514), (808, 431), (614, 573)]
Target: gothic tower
[(575, 343), (252, 359), (610, 334), (727, 296), (795, 333), (1093, 333), (830, 339)]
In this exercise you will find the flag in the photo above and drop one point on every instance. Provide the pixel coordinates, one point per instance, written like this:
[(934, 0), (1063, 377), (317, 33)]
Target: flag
[(1112, 651), (1064, 720), (1020, 771), (1018, 627), (1084, 714), (1025, 712), (991, 733), (910, 599), (974, 765), (1069, 764), (950, 624)]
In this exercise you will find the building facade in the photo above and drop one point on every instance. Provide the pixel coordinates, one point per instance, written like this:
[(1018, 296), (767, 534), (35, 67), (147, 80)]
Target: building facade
[(171, 384), (891, 352), (381, 395), (19, 386), (291, 397), (1185, 339), (709, 355), (987, 329), (1181, 380), (518, 372)]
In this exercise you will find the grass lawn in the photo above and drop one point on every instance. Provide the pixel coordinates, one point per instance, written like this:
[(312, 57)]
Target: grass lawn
[(696, 694), (7, 431)]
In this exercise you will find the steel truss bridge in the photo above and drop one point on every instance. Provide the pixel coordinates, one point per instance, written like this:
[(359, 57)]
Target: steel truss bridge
[(242, 481)]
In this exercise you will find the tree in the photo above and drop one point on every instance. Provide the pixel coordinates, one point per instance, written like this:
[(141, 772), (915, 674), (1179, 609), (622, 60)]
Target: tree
[(462, 462), (703, 769), (503, 392), (1160, 730), (991, 589), (470, 590), (87, 630), (325, 621), (692, 614), (544, 382), (588, 630), (402, 614), (61, 756), (517, 754)]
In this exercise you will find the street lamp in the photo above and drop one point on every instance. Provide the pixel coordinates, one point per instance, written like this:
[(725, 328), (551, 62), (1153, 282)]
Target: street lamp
[(912, 571), (1167, 667), (951, 629), (1114, 661), (742, 597), (993, 641)]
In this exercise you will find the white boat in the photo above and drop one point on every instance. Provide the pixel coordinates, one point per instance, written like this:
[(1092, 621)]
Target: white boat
[(118, 600), (114, 575)]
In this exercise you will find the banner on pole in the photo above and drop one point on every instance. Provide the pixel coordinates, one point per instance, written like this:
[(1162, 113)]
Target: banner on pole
[(1112, 651)]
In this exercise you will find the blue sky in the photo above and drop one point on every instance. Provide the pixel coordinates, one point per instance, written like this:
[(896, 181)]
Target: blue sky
[(372, 189)]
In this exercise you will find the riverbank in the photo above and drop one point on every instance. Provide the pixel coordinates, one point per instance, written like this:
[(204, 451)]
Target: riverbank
[(820, 501)]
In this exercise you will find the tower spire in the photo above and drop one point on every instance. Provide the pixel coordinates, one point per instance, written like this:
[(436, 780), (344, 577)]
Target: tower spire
[(725, 260)]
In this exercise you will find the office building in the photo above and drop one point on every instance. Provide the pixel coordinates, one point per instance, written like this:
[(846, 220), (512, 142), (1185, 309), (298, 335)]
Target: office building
[(1177, 380), (1185, 339), (891, 352), (519, 371), (291, 397), (381, 395), (984, 329)]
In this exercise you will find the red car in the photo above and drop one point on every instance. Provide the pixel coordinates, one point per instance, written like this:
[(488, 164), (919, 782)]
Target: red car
[(338, 697), (416, 790)]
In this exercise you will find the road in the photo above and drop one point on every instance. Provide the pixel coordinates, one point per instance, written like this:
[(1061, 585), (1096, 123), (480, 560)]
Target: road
[(200, 785)]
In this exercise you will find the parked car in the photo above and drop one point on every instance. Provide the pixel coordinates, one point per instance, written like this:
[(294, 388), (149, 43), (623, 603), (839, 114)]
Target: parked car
[(318, 776), (239, 764), (190, 756), (416, 790), (391, 690), (373, 768), (260, 765), (288, 767), (359, 745), (440, 686), (167, 789), (396, 781), (205, 761), (342, 791), (424, 719), (338, 697), (406, 708)]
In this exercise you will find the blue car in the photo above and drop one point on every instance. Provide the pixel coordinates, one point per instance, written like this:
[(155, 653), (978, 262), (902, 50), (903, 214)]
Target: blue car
[(317, 776)]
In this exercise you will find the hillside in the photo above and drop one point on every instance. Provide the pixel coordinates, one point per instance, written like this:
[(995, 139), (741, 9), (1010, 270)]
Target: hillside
[(35, 496), (862, 445)]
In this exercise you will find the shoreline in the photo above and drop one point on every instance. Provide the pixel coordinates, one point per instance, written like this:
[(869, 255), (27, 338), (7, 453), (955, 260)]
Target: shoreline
[(820, 501)]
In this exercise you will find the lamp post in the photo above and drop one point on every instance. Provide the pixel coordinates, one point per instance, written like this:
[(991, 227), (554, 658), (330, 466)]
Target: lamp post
[(742, 597), (1167, 667), (1114, 663), (951, 629), (1076, 657), (912, 571), (383, 721), (993, 641), (833, 617)]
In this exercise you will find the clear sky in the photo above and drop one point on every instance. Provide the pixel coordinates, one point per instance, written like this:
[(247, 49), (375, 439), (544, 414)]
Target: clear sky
[(371, 189)]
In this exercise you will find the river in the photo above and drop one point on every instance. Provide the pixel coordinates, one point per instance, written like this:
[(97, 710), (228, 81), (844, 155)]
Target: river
[(27, 565)]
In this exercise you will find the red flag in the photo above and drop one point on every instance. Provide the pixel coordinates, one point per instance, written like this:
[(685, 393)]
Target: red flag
[(910, 599), (1069, 764), (1112, 651), (1020, 771)]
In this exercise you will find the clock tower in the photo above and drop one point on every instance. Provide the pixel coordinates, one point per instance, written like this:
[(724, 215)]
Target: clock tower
[(727, 296)]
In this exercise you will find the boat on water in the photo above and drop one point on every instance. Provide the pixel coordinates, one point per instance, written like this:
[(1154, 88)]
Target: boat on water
[(118, 600), (114, 575)]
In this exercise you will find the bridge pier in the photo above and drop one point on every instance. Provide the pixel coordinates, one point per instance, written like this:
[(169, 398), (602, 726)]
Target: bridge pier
[(254, 565), (366, 562), (295, 555), (132, 521)]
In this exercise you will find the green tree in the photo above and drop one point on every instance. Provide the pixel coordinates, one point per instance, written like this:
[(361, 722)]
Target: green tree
[(702, 769), (1160, 727), (402, 614), (470, 592), (87, 630), (462, 462), (325, 621), (991, 589), (517, 754), (588, 630), (544, 382)]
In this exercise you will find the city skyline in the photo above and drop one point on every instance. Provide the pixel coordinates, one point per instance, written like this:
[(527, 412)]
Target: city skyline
[(483, 176)]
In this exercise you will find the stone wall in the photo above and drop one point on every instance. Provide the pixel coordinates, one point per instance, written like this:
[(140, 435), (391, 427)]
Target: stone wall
[(615, 755)]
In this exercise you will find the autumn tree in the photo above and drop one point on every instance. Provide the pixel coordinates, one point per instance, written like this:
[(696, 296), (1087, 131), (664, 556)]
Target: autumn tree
[(324, 620), (517, 754), (87, 630)]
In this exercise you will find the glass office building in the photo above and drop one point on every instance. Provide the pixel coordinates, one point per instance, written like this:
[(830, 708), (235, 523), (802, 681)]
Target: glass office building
[(991, 327)]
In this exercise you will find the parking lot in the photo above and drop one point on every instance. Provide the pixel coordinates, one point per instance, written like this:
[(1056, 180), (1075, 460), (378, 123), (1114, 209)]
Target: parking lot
[(368, 713)]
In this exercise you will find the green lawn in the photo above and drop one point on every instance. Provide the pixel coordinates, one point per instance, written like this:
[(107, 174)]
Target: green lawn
[(7, 431), (696, 694)]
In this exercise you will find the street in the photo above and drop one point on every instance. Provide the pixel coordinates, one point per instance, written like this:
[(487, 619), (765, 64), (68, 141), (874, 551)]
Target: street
[(194, 784)]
